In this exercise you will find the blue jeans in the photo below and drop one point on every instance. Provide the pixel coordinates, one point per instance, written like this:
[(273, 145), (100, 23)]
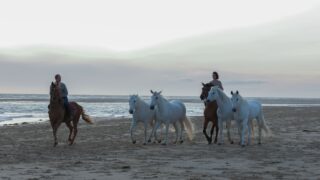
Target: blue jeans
[(66, 104)]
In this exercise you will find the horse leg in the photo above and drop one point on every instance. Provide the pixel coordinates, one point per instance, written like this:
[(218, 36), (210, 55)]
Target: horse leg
[(239, 129), (228, 131), (154, 131), (75, 131), (260, 124), (244, 128), (205, 125), (220, 123), (133, 125), (176, 128), (145, 134), (55, 129), (252, 130), (70, 130), (160, 133), (182, 129), (75, 120), (167, 131), (249, 131), (217, 131), (211, 132)]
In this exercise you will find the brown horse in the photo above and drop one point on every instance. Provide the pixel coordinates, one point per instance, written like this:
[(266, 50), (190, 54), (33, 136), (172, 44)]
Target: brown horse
[(57, 115), (210, 114)]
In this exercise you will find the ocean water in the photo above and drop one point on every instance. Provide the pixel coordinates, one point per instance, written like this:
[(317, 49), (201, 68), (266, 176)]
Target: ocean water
[(18, 108)]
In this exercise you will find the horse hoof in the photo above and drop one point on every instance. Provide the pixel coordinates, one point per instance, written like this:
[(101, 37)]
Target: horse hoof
[(215, 142), (219, 144), (159, 141), (231, 142), (133, 142), (243, 145), (259, 143), (144, 143), (181, 141), (164, 144), (55, 144), (149, 141)]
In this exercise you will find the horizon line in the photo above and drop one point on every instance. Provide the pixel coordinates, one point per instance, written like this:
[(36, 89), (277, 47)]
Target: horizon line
[(279, 97)]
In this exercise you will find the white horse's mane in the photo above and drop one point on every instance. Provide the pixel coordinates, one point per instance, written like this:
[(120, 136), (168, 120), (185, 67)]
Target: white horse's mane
[(241, 99), (223, 96), (161, 98)]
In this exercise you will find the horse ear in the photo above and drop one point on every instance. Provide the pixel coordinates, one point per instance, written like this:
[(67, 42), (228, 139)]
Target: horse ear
[(151, 91), (202, 84), (237, 92), (231, 92)]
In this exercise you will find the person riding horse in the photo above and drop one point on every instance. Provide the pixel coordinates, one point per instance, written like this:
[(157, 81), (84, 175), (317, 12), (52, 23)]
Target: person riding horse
[(62, 111), (215, 80), (210, 111), (63, 94)]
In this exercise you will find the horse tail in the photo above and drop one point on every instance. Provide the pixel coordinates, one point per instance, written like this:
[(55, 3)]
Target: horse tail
[(252, 129), (265, 126), (189, 128), (85, 117)]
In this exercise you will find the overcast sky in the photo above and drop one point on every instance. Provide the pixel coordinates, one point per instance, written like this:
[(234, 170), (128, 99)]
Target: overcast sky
[(263, 48), (128, 25)]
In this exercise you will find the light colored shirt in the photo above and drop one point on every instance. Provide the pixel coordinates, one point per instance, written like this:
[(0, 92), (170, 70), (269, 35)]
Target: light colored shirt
[(63, 90), (216, 82)]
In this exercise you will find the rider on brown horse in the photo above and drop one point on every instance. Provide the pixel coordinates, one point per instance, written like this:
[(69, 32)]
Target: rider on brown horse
[(210, 111), (58, 108), (63, 94)]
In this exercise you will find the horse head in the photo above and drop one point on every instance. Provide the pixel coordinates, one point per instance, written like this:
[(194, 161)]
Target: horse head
[(235, 100), (205, 89), (213, 94), (54, 93), (154, 99), (133, 99)]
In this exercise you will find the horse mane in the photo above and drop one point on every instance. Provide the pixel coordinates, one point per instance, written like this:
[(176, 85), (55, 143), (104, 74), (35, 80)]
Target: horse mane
[(242, 100), (223, 96), (51, 90), (163, 99), (139, 99), (55, 94)]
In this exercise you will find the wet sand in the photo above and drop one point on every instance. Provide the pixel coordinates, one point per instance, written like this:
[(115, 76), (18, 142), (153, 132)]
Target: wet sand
[(104, 151)]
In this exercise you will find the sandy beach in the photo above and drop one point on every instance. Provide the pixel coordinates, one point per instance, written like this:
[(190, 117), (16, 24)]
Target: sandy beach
[(104, 151)]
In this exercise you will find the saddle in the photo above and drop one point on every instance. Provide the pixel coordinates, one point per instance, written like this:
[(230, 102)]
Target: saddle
[(70, 111)]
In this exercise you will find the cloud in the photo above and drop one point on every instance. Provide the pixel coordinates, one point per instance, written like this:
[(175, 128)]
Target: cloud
[(245, 82), (277, 59)]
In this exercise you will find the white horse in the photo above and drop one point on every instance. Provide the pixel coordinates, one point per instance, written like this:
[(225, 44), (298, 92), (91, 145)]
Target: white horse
[(170, 113), (224, 111), (245, 111), (141, 112)]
